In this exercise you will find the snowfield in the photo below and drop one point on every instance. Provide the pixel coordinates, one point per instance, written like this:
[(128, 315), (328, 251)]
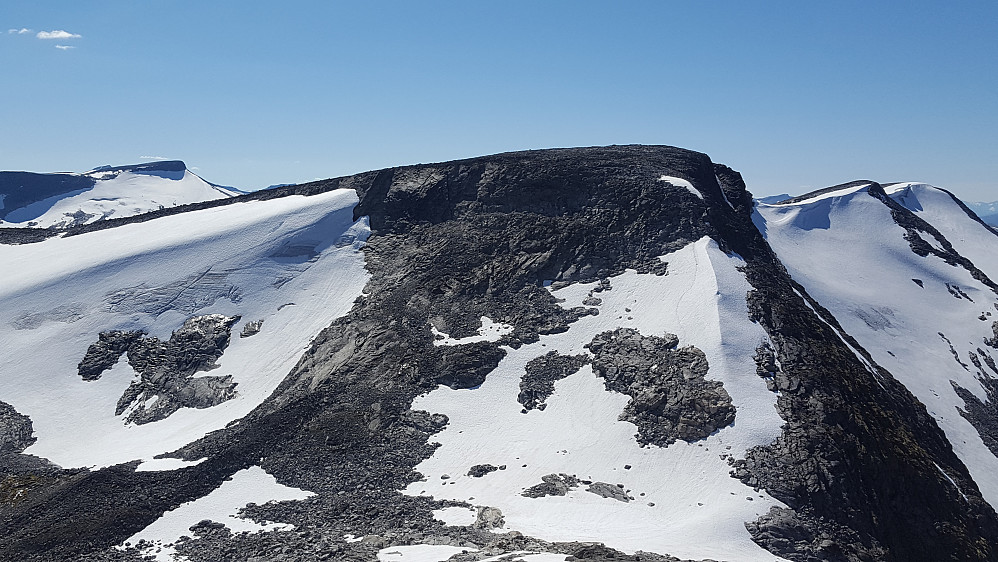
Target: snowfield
[(116, 195), (905, 310), (702, 300), (293, 262)]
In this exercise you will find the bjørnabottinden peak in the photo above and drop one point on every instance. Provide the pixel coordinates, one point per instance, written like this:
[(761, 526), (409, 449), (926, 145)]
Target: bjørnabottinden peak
[(608, 353)]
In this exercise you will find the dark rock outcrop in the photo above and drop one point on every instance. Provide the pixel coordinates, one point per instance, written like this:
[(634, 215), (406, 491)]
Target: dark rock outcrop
[(670, 398), (15, 430), (537, 383), (552, 485), (982, 414), (166, 370), (102, 355)]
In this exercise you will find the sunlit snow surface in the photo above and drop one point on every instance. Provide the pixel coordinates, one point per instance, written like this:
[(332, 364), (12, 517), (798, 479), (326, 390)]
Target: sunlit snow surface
[(121, 195), (293, 262), (940, 210), (221, 506), (490, 331), (680, 182), (420, 553), (850, 255), (699, 510)]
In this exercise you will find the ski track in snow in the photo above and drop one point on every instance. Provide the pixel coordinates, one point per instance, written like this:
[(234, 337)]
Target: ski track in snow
[(221, 506), (699, 510), (125, 194), (869, 290), (297, 250)]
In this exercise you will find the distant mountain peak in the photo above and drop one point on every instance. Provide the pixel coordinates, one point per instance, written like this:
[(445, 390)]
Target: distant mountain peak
[(63, 200)]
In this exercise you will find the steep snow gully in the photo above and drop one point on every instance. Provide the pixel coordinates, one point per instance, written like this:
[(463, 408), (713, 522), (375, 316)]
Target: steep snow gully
[(582, 354)]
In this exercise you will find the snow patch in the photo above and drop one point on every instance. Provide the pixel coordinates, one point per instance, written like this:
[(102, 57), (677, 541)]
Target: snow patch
[(489, 331), (251, 485), (680, 182), (456, 516), (527, 556), (166, 464), (421, 553)]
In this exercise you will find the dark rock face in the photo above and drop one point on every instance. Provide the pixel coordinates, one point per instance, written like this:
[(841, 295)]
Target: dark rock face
[(480, 470), (15, 430), (858, 463), (982, 415), (537, 384), (552, 485), (166, 369), (992, 342), (670, 398), (102, 355), (612, 491)]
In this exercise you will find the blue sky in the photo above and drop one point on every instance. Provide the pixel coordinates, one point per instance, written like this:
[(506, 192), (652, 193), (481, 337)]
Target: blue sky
[(795, 95)]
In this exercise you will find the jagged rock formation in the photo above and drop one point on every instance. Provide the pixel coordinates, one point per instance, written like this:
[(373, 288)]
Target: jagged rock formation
[(552, 485), (102, 355), (983, 415), (15, 430), (541, 373), (670, 398), (166, 369)]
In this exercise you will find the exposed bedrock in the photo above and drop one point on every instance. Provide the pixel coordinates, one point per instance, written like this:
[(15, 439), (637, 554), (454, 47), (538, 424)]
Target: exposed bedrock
[(983, 415), (166, 369), (102, 355), (670, 398), (552, 485), (537, 383), (15, 430)]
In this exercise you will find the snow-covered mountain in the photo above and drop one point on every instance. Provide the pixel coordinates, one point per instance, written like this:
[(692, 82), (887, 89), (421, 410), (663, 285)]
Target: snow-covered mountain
[(987, 211), (64, 200), (584, 354)]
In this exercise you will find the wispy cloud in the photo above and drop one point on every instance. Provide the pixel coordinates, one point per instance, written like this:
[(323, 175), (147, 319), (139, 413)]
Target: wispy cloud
[(156, 158), (21, 31), (65, 47), (57, 34)]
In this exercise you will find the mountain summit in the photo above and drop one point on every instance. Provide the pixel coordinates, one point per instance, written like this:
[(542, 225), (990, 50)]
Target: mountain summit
[(64, 200), (607, 353)]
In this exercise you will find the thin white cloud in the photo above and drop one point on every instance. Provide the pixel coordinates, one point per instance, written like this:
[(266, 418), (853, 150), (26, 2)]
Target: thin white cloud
[(156, 158), (57, 34), (21, 31), (64, 47)]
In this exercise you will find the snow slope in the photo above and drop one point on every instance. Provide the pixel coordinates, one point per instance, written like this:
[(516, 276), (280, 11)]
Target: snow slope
[(116, 192), (292, 262), (906, 310), (702, 300), (222, 506), (938, 208)]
